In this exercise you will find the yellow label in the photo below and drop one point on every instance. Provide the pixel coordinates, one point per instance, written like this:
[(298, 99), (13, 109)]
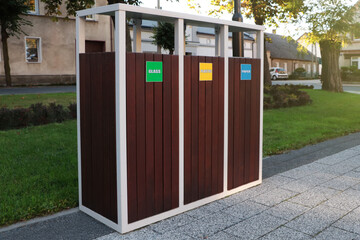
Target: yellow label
[(206, 72)]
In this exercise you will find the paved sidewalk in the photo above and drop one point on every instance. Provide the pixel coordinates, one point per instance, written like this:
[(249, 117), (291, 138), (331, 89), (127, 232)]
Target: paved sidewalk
[(37, 90), (320, 199), (351, 88)]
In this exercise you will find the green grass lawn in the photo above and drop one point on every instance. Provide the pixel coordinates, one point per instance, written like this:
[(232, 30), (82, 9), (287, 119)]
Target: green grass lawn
[(38, 171), (38, 165), (17, 101), (330, 115)]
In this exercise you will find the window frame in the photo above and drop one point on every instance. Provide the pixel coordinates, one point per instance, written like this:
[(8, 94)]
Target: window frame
[(357, 60), (36, 12), (39, 49), (93, 17)]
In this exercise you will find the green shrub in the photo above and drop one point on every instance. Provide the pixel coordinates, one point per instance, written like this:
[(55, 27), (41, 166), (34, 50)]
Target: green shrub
[(282, 96), (36, 114)]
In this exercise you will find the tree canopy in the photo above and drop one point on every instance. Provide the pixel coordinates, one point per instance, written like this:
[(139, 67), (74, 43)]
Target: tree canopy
[(11, 22)]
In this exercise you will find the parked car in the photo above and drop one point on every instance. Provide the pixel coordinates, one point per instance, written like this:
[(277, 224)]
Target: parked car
[(278, 73)]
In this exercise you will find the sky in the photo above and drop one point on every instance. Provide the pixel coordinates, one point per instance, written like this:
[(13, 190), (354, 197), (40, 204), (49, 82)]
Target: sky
[(181, 6)]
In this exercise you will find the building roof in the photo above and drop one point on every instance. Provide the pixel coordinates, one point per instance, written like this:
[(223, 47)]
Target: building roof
[(281, 48)]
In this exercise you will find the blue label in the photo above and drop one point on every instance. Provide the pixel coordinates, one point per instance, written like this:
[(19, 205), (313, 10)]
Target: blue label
[(245, 71)]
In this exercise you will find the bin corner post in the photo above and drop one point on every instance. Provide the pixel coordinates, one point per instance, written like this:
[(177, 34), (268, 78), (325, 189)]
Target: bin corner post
[(224, 52), (180, 51), (120, 105), (260, 53), (80, 48)]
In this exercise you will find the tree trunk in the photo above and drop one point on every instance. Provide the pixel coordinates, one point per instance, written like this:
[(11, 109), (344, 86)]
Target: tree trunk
[(331, 77), (4, 38), (267, 76)]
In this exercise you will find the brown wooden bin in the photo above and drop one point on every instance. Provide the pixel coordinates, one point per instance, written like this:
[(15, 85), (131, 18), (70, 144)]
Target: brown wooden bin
[(162, 134)]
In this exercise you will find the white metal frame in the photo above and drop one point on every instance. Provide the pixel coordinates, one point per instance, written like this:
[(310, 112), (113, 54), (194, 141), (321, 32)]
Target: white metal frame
[(121, 12)]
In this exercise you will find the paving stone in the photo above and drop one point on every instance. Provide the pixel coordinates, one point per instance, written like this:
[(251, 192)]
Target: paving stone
[(274, 197), (206, 210), (285, 233), (279, 180), (209, 225), (316, 219), (245, 209), (173, 235), (299, 186), (144, 233), (302, 171), (353, 174), (171, 224), (338, 157), (338, 169), (222, 236), (357, 148), (341, 183), (314, 196), (336, 233), (287, 210), (356, 187), (350, 222), (318, 178), (347, 200), (247, 194), (255, 227), (354, 161)]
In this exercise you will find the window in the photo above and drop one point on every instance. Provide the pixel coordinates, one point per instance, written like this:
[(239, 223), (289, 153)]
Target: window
[(93, 16), (33, 6), (277, 64), (309, 68), (285, 66), (314, 69), (33, 49), (355, 61)]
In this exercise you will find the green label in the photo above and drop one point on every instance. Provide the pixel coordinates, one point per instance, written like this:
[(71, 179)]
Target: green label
[(154, 71)]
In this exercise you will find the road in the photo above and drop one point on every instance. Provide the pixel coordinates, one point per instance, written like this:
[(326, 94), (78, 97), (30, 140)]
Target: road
[(37, 90), (352, 88)]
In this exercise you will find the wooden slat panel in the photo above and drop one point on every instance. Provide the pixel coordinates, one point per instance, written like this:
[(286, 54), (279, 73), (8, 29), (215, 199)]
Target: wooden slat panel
[(110, 103), (131, 136), (150, 148), (85, 111), (231, 124), (167, 134), (140, 137), (220, 169), (255, 123), (244, 124), (194, 127), (247, 132), (97, 104), (214, 128), (187, 130), (96, 129), (175, 132), (158, 118), (156, 127), (204, 129)]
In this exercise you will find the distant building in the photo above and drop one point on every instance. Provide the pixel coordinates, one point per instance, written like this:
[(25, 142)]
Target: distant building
[(313, 48), (47, 54), (200, 41), (350, 53), (286, 53)]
